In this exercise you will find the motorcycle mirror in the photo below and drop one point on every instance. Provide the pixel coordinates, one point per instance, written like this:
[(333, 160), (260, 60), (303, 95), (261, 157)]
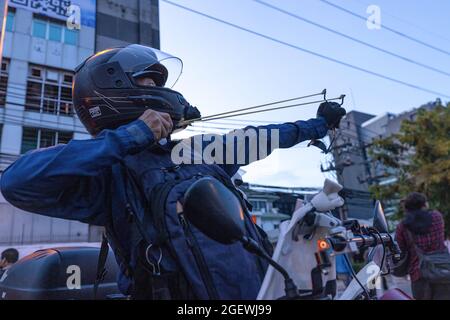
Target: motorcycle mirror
[(331, 187), (214, 210), (379, 218)]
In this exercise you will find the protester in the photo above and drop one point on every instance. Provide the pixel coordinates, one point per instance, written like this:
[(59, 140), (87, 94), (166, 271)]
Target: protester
[(424, 229), (8, 258), (128, 178), (447, 242)]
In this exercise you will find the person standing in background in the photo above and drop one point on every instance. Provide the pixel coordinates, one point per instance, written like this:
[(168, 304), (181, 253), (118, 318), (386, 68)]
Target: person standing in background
[(447, 242), (8, 258), (424, 229)]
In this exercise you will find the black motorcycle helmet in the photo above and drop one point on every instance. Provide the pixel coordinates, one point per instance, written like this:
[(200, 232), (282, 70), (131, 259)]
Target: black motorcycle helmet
[(106, 93)]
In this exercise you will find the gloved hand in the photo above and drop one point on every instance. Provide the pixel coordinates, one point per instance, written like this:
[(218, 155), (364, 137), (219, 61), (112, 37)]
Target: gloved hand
[(332, 112)]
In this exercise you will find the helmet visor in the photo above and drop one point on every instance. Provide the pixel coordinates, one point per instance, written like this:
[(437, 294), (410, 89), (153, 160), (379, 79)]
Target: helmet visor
[(138, 60)]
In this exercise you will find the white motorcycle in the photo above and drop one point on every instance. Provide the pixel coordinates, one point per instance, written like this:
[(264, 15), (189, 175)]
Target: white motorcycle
[(311, 240), (303, 264)]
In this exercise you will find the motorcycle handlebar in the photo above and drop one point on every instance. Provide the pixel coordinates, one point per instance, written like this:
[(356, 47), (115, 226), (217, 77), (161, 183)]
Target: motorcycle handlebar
[(339, 243)]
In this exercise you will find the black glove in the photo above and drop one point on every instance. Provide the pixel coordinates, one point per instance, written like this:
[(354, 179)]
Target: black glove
[(332, 112)]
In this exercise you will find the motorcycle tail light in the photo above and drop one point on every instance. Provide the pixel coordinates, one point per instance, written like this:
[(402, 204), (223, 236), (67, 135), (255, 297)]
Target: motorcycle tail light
[(323, 245)]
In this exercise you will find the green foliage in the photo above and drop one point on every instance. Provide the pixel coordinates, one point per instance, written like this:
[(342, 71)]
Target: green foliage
[(418, 157)]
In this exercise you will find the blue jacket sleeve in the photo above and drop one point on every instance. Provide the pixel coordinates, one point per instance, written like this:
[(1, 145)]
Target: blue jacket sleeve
[(72, 181), (259, 142)]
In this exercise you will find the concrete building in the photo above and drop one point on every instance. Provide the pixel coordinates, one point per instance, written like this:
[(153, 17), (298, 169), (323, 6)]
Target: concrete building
[(43, 42), (355, 169), (272, 205), (120, 22)]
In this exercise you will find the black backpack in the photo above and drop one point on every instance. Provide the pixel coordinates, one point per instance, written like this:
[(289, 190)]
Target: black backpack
[(434, 266)]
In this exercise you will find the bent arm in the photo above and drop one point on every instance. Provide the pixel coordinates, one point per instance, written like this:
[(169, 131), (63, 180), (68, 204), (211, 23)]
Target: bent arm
[(72, 181)]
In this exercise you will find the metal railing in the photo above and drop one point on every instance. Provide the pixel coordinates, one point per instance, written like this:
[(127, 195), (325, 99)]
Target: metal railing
[(6, 160)]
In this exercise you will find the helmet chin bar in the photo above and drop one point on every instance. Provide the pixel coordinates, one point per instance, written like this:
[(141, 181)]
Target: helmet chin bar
[(168, 101), (119, 107)]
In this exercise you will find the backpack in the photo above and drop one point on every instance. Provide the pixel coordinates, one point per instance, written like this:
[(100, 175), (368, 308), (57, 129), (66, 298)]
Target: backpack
[(434, 266), (171, 283)]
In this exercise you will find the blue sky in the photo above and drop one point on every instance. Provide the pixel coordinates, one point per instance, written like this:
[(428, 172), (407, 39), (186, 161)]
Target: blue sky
[(225, 68)]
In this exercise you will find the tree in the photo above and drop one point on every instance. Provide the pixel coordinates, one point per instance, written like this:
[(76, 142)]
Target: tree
[(418, 159)]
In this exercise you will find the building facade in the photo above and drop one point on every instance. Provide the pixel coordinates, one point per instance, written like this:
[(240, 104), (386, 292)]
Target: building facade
[(355, 170), (272, 205), (43, 43)]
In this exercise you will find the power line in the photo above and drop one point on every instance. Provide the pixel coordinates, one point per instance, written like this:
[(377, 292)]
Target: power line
[(409, 22), (352, 38), (399, 33), (15, 122), (213, 122), (373, 73)]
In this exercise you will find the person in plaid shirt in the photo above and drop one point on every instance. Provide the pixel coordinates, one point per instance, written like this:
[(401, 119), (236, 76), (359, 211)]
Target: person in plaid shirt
[(425, 229)]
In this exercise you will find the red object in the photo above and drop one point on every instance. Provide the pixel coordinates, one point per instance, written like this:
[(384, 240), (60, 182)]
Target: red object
[(323, 245), (254, 219), (431, 241), (395, 294)]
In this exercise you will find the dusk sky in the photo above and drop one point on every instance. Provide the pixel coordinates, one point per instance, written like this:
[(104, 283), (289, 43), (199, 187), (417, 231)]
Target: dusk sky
[(226, 68)]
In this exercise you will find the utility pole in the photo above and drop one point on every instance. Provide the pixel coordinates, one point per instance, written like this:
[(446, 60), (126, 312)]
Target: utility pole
[(3, 17)]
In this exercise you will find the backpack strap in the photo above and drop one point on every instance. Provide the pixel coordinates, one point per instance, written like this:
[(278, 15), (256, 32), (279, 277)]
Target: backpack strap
[(155, 205), (101, 270), (147, 284), (109, 236), (412, 242)]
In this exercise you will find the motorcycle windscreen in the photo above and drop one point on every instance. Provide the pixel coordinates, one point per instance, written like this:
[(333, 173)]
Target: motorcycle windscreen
[(139, 61)]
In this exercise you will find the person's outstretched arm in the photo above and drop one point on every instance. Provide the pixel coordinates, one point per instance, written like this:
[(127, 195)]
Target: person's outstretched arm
[(250, 144), (244, 146), (73, 181)]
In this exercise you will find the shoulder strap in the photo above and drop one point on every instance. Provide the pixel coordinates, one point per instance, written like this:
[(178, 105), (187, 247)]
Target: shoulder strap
[(104, 250), (155, 204), (412, 241), (101, 270)]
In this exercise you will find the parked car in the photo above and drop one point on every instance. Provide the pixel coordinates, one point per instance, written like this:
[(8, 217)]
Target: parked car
[(59, 274)]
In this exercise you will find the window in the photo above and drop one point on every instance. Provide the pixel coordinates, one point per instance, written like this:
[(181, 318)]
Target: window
[(39, 29), (10, 21), (55, 32), (68, 78), (36, 72), (64, 137), (70, 36), (259, 205), (49, 91), (47, 138), (4, 74), (33, 97), (34, 138), (29, 139)]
